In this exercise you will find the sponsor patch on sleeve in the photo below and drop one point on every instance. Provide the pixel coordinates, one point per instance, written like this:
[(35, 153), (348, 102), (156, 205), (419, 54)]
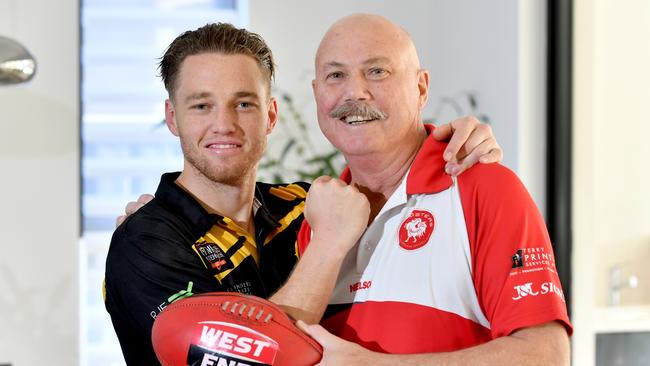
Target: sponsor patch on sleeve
[(533, 289), (536, 259), (533, 274)]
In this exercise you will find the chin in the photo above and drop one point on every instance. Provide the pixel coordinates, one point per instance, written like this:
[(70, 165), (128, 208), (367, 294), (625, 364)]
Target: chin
[(230, 178), (357, 148), (232, 174)]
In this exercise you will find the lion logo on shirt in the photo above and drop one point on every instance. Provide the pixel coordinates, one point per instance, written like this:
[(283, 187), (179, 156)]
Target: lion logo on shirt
[(416, 230)]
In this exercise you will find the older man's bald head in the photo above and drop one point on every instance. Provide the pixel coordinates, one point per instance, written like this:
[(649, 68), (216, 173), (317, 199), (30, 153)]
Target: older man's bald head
[(366, 32)]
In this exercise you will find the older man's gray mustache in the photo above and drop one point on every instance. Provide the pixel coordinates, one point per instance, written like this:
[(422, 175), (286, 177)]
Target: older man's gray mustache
[(355, 112)]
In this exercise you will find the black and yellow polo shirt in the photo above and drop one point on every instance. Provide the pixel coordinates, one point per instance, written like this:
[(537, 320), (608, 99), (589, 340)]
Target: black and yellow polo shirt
[(172, 248)]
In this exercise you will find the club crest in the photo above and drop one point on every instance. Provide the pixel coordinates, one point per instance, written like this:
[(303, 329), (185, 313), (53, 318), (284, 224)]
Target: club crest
[(416, 230)]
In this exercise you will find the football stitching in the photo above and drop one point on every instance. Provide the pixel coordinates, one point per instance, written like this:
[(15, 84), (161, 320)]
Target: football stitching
[(223, 306)]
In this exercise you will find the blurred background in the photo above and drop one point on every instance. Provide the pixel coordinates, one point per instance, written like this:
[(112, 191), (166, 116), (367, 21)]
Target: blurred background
[(564, 85)]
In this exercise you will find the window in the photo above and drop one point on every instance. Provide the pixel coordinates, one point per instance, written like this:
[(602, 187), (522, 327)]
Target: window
[(125, 143)]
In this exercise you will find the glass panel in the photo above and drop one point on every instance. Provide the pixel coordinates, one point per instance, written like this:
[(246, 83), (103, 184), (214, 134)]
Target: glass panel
[(623, 349)]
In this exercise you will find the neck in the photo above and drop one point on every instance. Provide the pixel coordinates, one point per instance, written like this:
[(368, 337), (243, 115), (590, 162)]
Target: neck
[(230, 200), (377, 175)]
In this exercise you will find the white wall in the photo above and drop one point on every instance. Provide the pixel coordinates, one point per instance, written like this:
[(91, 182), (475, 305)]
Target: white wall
[(611, 175), (39, 192), (493, 48)]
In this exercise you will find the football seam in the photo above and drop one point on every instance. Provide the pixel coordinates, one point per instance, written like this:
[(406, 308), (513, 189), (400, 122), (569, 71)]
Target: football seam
[(276, 309), (219, 306)]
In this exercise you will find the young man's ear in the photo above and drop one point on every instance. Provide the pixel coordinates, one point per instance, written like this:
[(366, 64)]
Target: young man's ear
[(272, 115), (170, 117)]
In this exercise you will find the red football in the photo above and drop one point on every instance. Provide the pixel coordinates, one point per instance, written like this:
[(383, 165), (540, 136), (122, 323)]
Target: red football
[(228, 328)]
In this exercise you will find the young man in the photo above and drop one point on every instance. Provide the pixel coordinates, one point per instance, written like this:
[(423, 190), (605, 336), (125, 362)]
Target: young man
[(211, 227), (432, 280)]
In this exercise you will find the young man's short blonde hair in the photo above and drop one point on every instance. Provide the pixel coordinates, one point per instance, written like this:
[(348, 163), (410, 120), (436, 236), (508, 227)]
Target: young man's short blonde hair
[(219, 38)]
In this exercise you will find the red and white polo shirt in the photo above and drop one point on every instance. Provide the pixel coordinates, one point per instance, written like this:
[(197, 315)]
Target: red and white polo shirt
[(447, 264)]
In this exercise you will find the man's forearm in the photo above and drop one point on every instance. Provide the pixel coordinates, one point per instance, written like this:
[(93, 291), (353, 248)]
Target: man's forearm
[(306, 293), (546, 344), (338, 215)]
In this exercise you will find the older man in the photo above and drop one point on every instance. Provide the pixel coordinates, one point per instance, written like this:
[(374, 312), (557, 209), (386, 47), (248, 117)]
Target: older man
[(433, 277)]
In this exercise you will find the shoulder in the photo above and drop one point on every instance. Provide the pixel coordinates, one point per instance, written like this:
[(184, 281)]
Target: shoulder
[(144, 233), (153, 219), (494, 191), (491, 178), (488, 172)]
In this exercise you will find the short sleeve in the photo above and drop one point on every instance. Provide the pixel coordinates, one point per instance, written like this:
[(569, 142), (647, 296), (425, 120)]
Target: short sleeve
[(513, 265)]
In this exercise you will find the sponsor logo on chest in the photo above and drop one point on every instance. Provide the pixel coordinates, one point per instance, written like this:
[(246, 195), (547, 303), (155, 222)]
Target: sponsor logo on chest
[(213, 257), (361, 285), (416, 230)]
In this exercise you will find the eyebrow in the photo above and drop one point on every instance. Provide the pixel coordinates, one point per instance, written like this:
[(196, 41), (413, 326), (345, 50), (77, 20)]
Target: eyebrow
[(197, 96), (372, 60), (203, 95), (246, 94)]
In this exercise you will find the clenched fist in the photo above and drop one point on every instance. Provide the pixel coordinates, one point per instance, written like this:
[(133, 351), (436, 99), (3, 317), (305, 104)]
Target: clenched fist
[(337, 212)]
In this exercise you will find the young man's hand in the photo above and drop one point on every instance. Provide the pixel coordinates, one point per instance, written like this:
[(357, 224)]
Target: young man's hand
[(470, 142)]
